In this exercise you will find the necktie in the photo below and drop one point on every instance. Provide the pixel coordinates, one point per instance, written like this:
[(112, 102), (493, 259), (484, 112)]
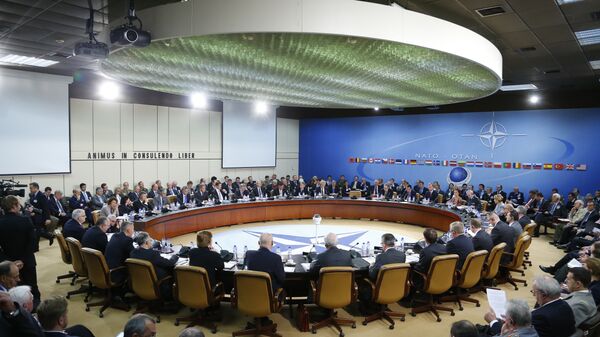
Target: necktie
[(60, 208), (85, 197), (553, 208), (585, 218)]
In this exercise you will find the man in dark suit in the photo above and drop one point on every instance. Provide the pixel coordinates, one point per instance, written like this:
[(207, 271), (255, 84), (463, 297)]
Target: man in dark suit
[(432, 193), (421, 189), (516, 197), (16, 321), (163, 267), (40, 213), (473, 200), (552, 316), (58, 209), (259, 191), (95, 237), (389, 255), (85, 194), (17, 240), (135, 194), (376, 190), (118, 250), (200, 196), (203, 256), (98, 199), (432, 250), (409, 195), (365, 186), (154, 191), (52, 317), (333, 256), (481, 240), (242, 192), (142, 203), (460, 243), (501, 232), (74, 227), (523, 218), (266, 261)]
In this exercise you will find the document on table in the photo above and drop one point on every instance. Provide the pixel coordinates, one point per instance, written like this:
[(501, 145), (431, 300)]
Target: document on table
[(497, 301), (289, 269), (574, 263), (306, 266), (230, 264)]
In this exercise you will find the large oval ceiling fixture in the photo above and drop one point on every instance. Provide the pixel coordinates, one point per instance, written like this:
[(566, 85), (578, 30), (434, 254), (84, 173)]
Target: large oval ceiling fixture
[(310, 53)]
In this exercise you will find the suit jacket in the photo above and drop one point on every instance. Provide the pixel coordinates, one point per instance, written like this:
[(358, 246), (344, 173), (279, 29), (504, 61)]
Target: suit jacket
[(118, 250), (333, 256), (302, 192), (482, 241), (555, 319), (266, 261), (462, 246), (53, 206), (97, 202), (138, 205), (376, 190), (17, 238), (133, 196), (73, 229), (410, 197), (39, 201), (583, 305), (95, 238), (106, 211), (280, 192), (22, 325), (589, 223), (496, 330), (239, 194), (209, 260), (524, 221), (504, 233), (389, 256), (594, 288), (257, 194), (75, 203), (432, 195), (88, 195), (163, 267), (159, 202), (319, 190), (199, 197), (474, 202), (153, 194), (427, 254), (518, 198)]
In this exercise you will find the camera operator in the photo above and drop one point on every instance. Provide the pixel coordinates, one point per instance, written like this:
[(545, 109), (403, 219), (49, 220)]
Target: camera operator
[(40, 214), (17, 241)]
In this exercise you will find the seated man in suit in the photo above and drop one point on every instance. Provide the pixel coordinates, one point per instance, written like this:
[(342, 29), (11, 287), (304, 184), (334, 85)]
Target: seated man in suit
[(98, 200), (473, 200), (432, 250), (126, 205), (523, 217), (579, 298), (200, 197), (217, 194), (142, 203), (153, 191), (74, 227), (52, 317), (58, 209), (575, 216), (516, 197), (517, 321), (552, 317), (95, 237), (409, 195), (583, 235), (242, 192), (333, 256), (259, 191), (460, 243), (302, 190), (481, 239), (266, 261), (163, 267), (389, 255), (118, 250), (135, 194), (203, 256), (501, 232)]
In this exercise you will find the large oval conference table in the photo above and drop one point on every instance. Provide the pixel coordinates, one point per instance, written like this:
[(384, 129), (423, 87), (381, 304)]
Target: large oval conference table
[(180, 222)]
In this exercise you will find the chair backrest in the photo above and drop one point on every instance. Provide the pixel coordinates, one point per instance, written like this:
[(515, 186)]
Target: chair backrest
[(193, 287), (441, 274), (64, 249), (253, 293), (95, 217), (142, 276), (171, 198), (493, 261), (440, 198), (529, 228), (76, 258), (484, 205), (519, 254), (98, 271), (470, 274), (335, 287), (591, 326), (392, 283)]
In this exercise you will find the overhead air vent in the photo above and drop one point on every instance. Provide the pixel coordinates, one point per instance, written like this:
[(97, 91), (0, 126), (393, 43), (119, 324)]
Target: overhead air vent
[(490, 11), (527, 49)]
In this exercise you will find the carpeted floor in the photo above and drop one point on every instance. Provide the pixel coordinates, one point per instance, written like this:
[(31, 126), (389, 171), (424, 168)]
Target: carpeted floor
[(50, 265)]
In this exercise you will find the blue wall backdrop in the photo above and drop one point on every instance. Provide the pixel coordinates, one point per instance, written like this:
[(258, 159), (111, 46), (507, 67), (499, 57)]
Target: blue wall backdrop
[(564, 142)]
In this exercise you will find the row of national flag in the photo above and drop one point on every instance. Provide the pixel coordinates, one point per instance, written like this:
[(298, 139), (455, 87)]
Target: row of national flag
[(464, 163)]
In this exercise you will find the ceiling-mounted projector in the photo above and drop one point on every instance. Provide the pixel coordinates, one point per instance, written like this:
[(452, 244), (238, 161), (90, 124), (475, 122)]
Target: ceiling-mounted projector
[(129, 34)]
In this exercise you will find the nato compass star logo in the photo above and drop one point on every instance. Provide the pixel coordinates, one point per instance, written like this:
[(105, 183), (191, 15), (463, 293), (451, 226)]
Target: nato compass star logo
[(493, 135), (305, 243)]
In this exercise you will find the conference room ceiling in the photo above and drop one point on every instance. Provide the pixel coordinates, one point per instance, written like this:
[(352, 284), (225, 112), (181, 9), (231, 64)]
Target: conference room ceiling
[(536, 37)]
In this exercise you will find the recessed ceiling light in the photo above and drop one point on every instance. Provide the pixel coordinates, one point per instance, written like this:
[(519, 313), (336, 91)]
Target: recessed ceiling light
[(109, 90), (516, 87), (198, 100), (376, 108), (26, 60), (260, 107), (566, 2), (59, 41), (595, 64), (534, 99), (587, 37)]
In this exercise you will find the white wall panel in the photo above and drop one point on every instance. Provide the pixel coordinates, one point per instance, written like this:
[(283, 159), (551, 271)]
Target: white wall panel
[(127, 172), (216, 120), (287, 135), (200, 129), (81, 125), (81, 172), (145, 170), (126, 127), (162, 171), (106, 172), (107, 126), (145, 123), (179, 129), (56, 181), (198, 169), (163, 128), (179, 170)]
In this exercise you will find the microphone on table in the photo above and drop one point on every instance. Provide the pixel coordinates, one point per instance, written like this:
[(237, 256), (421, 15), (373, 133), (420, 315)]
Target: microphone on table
[(225, 254), (353, 253), (310, 256)]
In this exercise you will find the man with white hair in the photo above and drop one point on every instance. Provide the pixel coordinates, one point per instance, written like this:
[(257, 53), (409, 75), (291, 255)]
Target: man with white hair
[(23, 296), (553, 316), (266, 261), (74, 227), (517, 321), (333, 256), (460, 243), (501, 232)]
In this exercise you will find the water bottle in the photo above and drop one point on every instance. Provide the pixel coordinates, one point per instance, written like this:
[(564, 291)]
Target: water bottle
[(278, 250), (245, 250), (289, 253), (363, 249), (401, 246), (235, 255), (368, 249)]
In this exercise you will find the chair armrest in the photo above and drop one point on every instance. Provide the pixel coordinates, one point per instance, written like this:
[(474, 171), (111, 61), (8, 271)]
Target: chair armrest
[(118, 268), (419, 273), (370, 284), (354, 292), (233, 298), (164, 279), (218, 291), (278, 298), (313, 286), (507, 253)]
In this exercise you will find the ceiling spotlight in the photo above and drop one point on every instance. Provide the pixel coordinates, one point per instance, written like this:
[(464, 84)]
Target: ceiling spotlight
[(534, 99), (108, 90), (261, 107), (376, 108), (199, 100)]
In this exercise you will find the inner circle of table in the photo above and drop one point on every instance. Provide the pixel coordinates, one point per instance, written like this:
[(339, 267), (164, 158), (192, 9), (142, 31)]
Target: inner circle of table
[(180, 222)]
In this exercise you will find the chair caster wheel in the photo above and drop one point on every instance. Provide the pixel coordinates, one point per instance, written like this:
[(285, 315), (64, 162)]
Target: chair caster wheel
[(353, 325), (342, 334), (452, 313), (461, 309), (57, 281), (439, 319), (213, 330), (478, 305), (391, 327), (176, 323), (402, 319), (157, 319), (525, 284), (87, 309), (313, 330), (413, 314), (516, 288), (68, 297), (101, 315), (364, 323)]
